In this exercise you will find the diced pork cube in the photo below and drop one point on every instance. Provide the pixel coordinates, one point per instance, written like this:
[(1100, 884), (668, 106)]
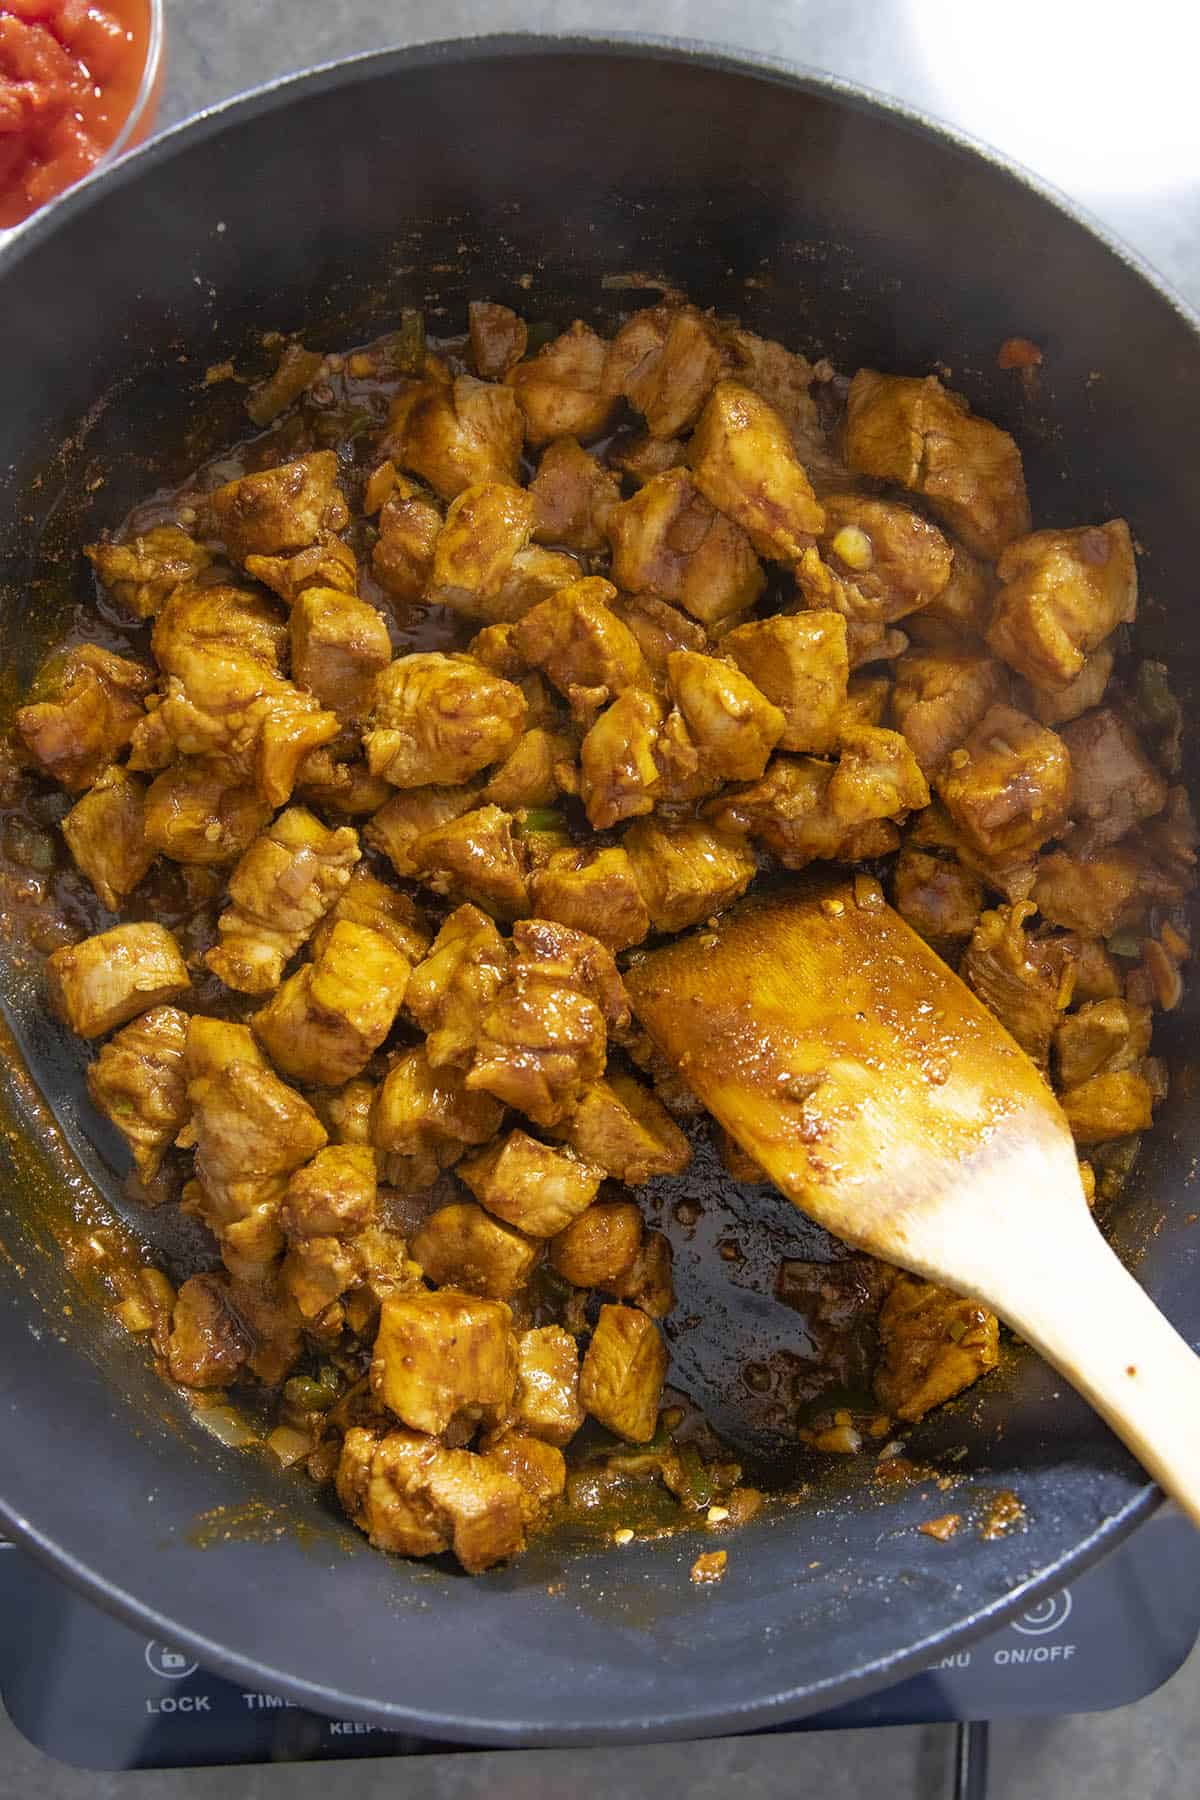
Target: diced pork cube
[(732, 723), (138, 1082), (561, 391), (329, 564), (402, 557), (1008, 788), (1109, 1106), (889, 561), (1025, 981), (913, 432), (280, 509), (439, 719), (429, 1116), (327, 1020), (106, 834), (280, 891), (397, 826), (622, 1377), (339, 645), (441, 1355), (539, 1470), (671, 542), (197, 812), (600, 1247), (331, 1196), (940, 697), (877, 777), (452, 987), (546, 1400), (209, 1344), (531, 1185), (98, 984), (933, 1344), (1061, 594), (800, 662), (1114, 785), (620, 1126), (594, 891), (665, 361), (1102, 1036), (498, 336), (619, 774), (744, 464), (580, 643), (143, 572), (82, 708), (453, 436), (478, 857), (483, 564), (937, 896), (687, 872), (462, 1246), (573, 497)]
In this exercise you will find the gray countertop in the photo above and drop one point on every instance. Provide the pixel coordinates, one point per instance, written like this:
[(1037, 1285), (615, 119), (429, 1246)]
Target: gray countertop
[(1100, 104)]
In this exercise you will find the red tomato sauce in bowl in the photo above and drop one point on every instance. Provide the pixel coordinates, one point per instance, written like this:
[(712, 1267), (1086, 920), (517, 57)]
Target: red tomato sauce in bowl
[(71, 75)]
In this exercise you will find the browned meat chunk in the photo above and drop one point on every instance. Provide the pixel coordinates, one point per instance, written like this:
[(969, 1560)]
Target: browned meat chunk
[(441, 1356), (248, 1127), (595, 891), (531, 1185), (933, 1344), (887, 561), (669, 541), (1025, 981), (402, 558), (790, 811), (209, 1344), (619, 776), (1008, 788), (528, 775), (497, 336), (938, 898), (546, 1400), (541, 1042), (647, 1281), (366, 900), (454, 436), (280, 891), (581, 644), (454, 984), (687, 872), (82, 708), (913, 432), (642, 457), (348, 788), (464, 1247), (664, 361), (412, 1496), (316, 1272), (439, 719), (539, 1470), (478, 857), (198, 812), (940, 697), (331, 1196), (1102, 1036), (339, 645), (106, 834), (327, 1020), (659, 628), (1114, 785), (397, 826), (331, 564), (876, 777), (561, 391), (138, 1082), (143, 572), (98, 984), (483, 563), (744, 464), (600, 1248), (1055, 706), (1109, 1106), (212, 1044), (573, 496), (731, 722), (800, 663), (621, 1127), (962, 612), (622, 1377), (212, 631), (278, 510), (554, 951), (428, 1117), (784, 379), (1061, 594), (1094, 895), (1097, 974)]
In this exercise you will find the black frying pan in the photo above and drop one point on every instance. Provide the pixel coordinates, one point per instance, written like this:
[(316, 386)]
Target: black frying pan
[(425, 177)]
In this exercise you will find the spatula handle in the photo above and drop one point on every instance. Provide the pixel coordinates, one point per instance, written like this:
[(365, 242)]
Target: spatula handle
[(1088, 1316)]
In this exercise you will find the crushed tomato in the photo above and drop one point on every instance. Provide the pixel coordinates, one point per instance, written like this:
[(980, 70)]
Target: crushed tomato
[(69, 75)]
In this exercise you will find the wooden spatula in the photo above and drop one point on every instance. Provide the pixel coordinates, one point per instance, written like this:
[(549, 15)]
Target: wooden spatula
[(880, 1095)]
